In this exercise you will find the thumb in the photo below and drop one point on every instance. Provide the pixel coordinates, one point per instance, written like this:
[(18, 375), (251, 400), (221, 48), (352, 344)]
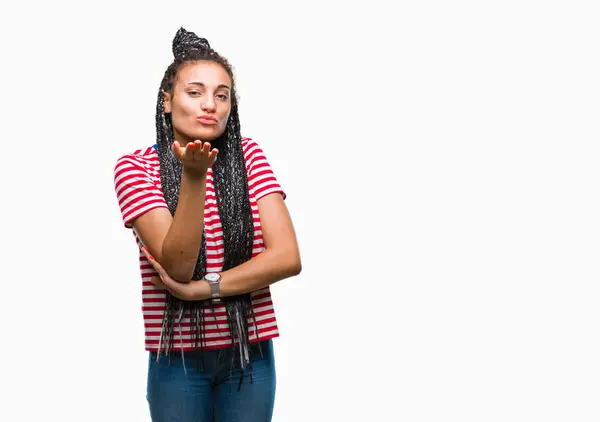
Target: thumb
[(176, 148), (157, 282)]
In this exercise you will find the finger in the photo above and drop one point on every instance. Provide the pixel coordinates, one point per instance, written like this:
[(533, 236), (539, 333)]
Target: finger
[(206, 149), (146, 253), (197, 148), (161, 272), (189, 150), (177, 150), (175, 145), (213, 156), (159, 269)]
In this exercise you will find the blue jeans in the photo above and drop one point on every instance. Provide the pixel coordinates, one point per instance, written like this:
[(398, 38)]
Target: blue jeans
[(211, 393)]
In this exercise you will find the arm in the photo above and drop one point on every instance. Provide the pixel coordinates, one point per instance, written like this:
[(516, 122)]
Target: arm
[(175, 241), (279, 260)]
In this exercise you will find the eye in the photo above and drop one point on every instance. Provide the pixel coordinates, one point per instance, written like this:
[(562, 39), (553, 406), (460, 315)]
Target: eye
[(222, 97), (194, 93)]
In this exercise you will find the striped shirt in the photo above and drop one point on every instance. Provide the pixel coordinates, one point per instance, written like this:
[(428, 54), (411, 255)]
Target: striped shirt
[(138, 189)]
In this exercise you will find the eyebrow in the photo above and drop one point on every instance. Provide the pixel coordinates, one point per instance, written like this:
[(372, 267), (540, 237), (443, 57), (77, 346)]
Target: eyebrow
[(201, 84)]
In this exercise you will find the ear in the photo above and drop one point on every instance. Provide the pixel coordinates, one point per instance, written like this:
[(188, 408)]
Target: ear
[(167, 101)]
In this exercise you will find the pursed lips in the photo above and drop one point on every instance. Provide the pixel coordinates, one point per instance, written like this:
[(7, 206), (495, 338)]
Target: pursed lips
[(207, 120)]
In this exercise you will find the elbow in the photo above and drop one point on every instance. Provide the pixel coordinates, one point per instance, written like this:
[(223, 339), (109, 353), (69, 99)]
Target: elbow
[(180, 278), (287, 262), (296, 269), (179, 265), (295, 266), (180, 273)]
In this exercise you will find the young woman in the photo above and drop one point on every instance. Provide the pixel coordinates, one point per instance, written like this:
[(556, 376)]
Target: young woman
[(209, 217)]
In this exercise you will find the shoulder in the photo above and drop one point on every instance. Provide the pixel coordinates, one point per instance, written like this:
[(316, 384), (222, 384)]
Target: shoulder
[(252, 151), (249, 146), (143, 159)]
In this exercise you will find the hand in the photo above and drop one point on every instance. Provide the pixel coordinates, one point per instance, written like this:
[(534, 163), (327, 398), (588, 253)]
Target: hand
[(194, 290), (196, 157)]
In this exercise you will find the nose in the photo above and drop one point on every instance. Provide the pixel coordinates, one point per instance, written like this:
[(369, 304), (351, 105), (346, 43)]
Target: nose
[(208, 105)]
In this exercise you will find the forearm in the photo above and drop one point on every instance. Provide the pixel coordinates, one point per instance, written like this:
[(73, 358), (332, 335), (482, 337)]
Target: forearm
[(261, 271), (181, 245), (280, 259)]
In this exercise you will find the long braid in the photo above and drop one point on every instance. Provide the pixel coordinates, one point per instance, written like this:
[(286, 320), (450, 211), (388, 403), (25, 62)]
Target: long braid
[(231, 190)]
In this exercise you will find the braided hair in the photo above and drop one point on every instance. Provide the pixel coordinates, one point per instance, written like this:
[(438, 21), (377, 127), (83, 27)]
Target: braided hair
[(231, 190)]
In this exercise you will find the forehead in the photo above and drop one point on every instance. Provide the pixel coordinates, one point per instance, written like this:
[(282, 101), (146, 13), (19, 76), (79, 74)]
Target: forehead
[(208, 73)]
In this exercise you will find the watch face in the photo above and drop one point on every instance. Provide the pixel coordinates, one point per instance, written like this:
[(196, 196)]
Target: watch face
[(212, 277)]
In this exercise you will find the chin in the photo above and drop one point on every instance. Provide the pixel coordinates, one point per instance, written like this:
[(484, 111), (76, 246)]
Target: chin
[(207, 135)]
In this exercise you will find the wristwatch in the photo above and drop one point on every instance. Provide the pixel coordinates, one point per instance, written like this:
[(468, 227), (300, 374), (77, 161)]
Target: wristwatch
[(214, 280)]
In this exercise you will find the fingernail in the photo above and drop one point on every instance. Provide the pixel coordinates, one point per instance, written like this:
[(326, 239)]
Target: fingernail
[(144, 249)]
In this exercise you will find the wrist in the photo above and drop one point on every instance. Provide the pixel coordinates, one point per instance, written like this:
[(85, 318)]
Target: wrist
[(193, 175), (214, 284), (202, 290)]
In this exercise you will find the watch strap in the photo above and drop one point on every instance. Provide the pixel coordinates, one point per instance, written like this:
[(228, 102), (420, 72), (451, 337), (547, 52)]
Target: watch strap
[(215, 290)]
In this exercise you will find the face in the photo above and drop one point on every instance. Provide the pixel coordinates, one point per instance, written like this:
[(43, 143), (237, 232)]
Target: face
[(200, 103)]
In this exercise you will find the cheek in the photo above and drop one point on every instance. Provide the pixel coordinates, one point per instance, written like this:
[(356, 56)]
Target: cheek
[(224, 122), (182, 113), (226, 115), (186, 109), (181, 117), (224, 118)]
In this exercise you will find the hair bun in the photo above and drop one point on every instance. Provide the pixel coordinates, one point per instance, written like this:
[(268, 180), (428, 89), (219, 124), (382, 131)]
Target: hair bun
[(186, 41)]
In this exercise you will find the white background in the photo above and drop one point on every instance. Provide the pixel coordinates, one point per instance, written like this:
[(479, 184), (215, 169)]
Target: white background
[(441, 165)]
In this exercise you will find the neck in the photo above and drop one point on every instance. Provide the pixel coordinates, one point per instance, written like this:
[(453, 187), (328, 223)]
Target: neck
[(184, 140), (181, 138)]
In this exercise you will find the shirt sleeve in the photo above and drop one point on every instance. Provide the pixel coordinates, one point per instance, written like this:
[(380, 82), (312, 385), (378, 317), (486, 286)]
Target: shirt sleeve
[(261, 179), (136, 191)]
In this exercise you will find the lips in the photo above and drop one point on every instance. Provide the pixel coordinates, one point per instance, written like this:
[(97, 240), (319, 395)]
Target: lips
[(207, 120)]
